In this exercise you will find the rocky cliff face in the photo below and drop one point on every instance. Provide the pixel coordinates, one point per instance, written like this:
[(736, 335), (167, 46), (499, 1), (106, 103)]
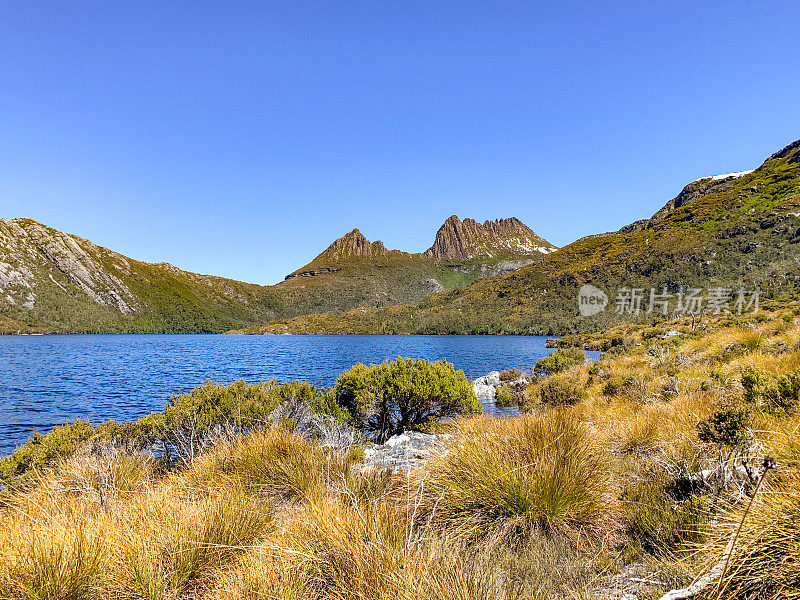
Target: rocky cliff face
[(501, 238), (30, 249)]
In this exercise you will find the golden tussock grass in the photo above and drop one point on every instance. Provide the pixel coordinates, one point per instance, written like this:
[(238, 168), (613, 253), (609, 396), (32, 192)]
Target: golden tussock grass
[(547, 505)]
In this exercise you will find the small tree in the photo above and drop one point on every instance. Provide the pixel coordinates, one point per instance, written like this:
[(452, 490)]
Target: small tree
[(406, 393), (560, 360)]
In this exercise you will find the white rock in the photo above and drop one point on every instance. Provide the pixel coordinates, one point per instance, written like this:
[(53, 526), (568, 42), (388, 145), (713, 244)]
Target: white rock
[(483, 390), (397, 439)]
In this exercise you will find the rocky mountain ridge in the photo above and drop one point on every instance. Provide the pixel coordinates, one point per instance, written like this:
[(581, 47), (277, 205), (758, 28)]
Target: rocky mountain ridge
[(54, 281), (501, 238)]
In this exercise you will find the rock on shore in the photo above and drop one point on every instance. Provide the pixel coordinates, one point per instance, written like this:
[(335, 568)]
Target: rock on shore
[(486, 386), (403, 452)]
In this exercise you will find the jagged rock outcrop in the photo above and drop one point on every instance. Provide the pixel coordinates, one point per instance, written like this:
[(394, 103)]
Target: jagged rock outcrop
[(501, 238), (353, 244)]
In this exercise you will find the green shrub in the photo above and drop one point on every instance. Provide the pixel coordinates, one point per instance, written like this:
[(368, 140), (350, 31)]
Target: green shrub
[(726, 427), (781, 395), (508, 395), (613, 386), (555, 390), (660, 520), (44, 450), (560, 360), (190, 418), (405, 393)]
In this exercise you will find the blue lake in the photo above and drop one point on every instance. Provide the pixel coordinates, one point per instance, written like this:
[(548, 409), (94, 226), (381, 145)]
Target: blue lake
[(48, 380)]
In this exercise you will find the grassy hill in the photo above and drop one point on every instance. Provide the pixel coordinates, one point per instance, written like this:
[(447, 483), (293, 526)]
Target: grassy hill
[(738, 231)]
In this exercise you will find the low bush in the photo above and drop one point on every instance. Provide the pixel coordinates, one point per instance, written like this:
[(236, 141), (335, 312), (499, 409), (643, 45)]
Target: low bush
[(560, 360), (508, 395), (613, 386), (726, 427), (555, 390), (44, 450), (505, 478), (189, 419), (780, 395), (405, 393), (661, 516)]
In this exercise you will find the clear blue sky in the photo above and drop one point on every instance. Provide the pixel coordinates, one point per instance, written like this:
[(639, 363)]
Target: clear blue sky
[(241, 138)]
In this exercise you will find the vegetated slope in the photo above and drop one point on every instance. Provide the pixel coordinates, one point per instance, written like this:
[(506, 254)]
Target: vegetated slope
[(53, 281), (56, 282), (740, 230)]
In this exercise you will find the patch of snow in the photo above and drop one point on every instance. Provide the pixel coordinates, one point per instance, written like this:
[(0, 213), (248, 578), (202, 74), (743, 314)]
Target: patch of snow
[(728, 175)]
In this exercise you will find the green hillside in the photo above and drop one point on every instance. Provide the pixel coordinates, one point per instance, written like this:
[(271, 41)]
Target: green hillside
[(739, 231)]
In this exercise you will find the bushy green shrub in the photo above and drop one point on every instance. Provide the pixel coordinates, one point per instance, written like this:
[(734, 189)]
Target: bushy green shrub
[(560, 360), (781, 395), (660, 520), (508, 395), (726, 427), (190, 418), (555, 390), (405, 393), (44, 450), (613, 386)]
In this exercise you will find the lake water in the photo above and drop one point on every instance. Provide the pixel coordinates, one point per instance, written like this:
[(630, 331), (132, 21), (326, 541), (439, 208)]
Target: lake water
[(48, 380)]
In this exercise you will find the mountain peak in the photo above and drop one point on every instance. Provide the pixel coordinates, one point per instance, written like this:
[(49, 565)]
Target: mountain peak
[(501, 238), (353, 243)]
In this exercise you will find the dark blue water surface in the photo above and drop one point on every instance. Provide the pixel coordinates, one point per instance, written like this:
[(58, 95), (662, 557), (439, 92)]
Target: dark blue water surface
[(48, 380)]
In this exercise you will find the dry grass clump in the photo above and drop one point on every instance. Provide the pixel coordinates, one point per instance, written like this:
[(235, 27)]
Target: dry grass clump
[(73, 538), (765, 561), (275, 462), (350, 548), (505, 478), (168, 543), (44, 564)]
